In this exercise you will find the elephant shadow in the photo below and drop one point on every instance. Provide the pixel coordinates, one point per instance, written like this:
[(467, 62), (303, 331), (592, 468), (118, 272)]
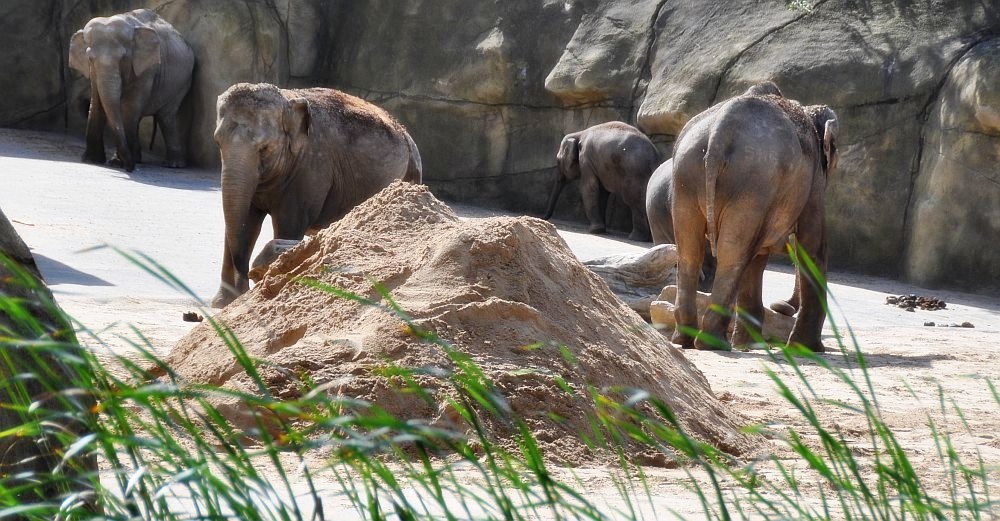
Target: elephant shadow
[(196, 179), (55, 272), (835, 360)]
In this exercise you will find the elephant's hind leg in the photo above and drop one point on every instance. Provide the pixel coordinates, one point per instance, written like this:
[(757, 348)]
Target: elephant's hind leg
[(689, 230), (749, 306), (808, 328), (169, 122), (737, 249)]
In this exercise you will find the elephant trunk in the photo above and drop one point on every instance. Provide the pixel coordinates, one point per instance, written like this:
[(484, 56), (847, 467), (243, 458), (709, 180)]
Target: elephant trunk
[(109, 86), (557, 188), (239, 183)]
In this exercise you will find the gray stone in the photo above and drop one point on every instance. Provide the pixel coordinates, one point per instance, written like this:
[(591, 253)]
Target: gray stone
[(638, 279)]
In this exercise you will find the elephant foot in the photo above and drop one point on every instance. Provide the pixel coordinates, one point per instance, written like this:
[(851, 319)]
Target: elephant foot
[(96, 158), (710, 343), (117, 162), (597, 229), (816, 346), (223, 298), (783, 307), (685, 341)]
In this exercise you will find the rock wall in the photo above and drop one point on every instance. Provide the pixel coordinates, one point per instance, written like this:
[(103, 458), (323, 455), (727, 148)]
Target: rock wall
[(489, 88)]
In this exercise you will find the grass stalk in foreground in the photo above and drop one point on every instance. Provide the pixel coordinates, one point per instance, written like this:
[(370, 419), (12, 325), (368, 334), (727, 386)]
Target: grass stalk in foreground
[(169, 451)]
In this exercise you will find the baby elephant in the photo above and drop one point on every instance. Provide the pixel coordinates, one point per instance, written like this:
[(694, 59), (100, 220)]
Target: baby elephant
[(306, 158), (610, 158), (138, 65)]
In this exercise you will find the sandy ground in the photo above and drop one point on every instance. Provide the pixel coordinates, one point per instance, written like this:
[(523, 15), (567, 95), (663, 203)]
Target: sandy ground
[(72, 215)]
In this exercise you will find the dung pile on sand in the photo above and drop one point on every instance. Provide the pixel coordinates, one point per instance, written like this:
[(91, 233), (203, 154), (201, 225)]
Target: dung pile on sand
[(504, 290)]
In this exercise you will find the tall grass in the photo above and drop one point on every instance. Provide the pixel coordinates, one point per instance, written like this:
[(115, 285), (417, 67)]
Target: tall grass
[(167, 451)]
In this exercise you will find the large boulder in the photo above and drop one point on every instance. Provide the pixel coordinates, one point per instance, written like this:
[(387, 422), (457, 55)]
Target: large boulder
[(506, 291), (956, 197)]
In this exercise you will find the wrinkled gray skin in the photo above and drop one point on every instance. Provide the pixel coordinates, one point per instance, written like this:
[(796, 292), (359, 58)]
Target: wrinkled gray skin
[(609, 158), (661, 224), (749, 173), (305, 157), (138, 65)]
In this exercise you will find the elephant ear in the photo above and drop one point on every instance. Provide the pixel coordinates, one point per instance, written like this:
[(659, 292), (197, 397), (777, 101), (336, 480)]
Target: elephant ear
[(145, 50), (827, 128), (295, 123), (78, 54), (569, 157)]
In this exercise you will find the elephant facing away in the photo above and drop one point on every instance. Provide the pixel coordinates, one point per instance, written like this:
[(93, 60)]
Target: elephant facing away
[(609, 158), (750, 174), (661, 224), (138, 66), (305, 157)]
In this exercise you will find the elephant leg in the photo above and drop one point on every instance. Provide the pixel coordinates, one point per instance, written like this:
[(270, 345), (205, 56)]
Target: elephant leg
[(235, 278), (131, 144), (97, 121), (749, 305), (707, 277), (735, 249), (595, 199), (168, 120), (808, 328), (640, 222), (690, 238)]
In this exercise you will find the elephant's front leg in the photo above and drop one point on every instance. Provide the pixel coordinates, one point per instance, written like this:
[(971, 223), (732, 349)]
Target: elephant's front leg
[(595, 199), (131, 117), (235, 278), (96, 123)]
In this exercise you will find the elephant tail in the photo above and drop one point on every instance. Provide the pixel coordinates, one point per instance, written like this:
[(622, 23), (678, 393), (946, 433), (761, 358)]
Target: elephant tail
[(715, 164), (415, 168)]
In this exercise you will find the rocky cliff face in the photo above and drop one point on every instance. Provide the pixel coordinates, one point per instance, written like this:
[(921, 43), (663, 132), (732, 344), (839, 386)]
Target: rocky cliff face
[(489, 88)]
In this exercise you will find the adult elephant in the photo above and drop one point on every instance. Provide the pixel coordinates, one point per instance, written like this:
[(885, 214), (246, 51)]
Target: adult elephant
[(750, 173), (609, 158), (305, 157), (138, 65)]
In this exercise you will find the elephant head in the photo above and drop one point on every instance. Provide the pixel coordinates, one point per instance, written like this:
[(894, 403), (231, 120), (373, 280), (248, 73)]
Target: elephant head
[(260, 135), (109, 51), (568, 168), (827, 128)]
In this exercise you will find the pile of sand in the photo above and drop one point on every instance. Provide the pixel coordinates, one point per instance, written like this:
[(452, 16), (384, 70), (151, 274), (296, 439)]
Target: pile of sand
[(490, 287)]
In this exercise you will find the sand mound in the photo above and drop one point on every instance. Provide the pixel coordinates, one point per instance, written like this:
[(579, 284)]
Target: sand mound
[(491, 287)]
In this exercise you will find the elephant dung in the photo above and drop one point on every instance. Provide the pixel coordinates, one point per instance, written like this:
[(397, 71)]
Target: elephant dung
[(638, 279), (661, 313)]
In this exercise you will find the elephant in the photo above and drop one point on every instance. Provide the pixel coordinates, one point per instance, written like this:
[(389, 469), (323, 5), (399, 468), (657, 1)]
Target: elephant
[(609, 158), (661, 224), (750, 174), (138, 65), (305, 157)]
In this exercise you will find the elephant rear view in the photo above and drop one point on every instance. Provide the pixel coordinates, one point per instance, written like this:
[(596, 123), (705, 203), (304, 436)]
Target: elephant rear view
[(305, 157), (750, 175), (609, 158), (138, 66)]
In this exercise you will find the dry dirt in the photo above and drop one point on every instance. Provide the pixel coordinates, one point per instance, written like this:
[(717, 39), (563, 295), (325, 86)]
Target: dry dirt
[(64, 210)]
